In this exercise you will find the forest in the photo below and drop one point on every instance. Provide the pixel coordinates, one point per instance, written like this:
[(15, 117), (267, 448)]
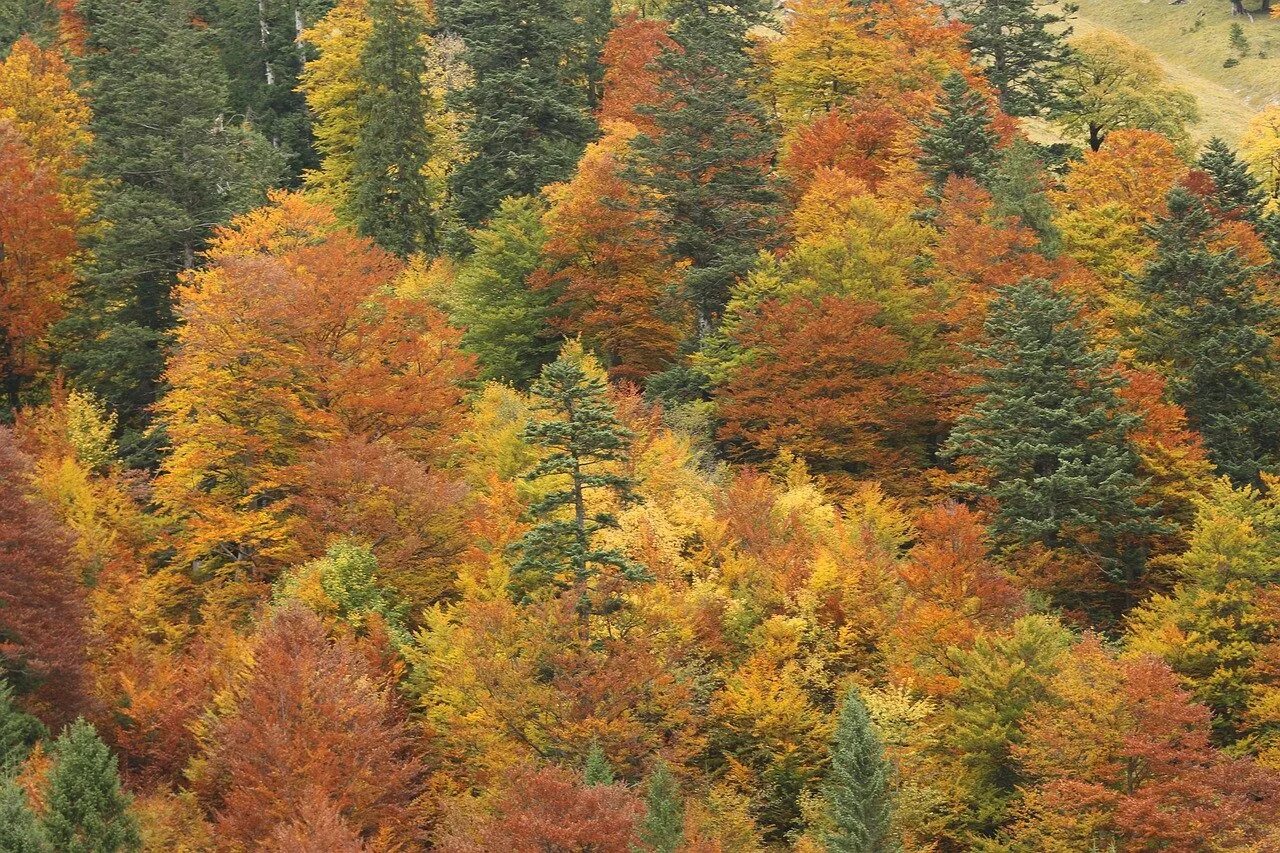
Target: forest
[(632, 426)]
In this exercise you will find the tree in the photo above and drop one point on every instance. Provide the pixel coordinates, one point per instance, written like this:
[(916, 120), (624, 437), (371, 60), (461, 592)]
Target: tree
[(527, 115), (19, 732), (631, 80), (1022, 44), (597, 770), (584, 442), (663, 825), (1111, 83), (1048, 439), (858, 791), (959, 139), (707, 166), (20, 830), (175, 167), (85, 809), (391, 198), (1206, 323), (1261, 147), (1237, 194)]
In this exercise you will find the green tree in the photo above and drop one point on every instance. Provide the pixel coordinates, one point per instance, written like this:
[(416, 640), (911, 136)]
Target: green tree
[(959, 139), (1023, 45), (707, 168), (348, 576), (85, 809), (391, 199), (597, 771), (1236, 192), (582, 439), (35, 18), (19, 731), (505, 317), (20, 830), (174, 167), (858, 796), (663, 826), (1019, 187), (1205, 323), (528, 121), (1049, 435)]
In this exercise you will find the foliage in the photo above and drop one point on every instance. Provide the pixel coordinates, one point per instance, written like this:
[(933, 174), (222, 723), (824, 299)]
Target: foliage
[(858, 787), (85, 810)]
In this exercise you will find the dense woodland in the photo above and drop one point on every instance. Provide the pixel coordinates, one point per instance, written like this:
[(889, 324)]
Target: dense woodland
[(564, 425)]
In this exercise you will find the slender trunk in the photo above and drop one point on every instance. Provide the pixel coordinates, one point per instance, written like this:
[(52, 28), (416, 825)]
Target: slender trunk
[(263, 32), (299, 27), (1095, 136), (580, 526)]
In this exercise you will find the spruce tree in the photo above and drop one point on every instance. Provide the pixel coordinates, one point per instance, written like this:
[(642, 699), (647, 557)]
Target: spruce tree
[(1022, 44), (19, 731), (37, 19), (391, 198), (528, 121), (1050, 436), (707, 168), (85, 809), (858, 796), (663, 827), (1205, 323), (174, 166), (1019, 187), (1237, 192), (597, 771), (582, 439), (959, 138), (20, 830)]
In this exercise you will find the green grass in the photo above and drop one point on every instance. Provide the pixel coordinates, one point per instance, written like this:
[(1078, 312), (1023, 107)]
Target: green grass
[(1193, 54)]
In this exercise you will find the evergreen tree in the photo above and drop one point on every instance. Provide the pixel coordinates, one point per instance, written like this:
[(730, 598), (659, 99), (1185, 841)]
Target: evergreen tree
[(594, 20), (1236, 191), (959, 139), (597, 771), (85, 809), (527, 113), (19, 731), (582, 438), (174, 167), (1022, 44), (858, 796), (20, 831), (35, 18), (663, 826), (391, 198), (1205, 323), (1049, 434), (505, 317), (707, 168), (1019, 188)]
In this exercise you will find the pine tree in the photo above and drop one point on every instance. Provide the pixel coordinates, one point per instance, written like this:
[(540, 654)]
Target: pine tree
[(1022, 44), (1049, 436), (1205, 323), (528, 120), (85, 809), (1236, 191), (582, 437), (19, 731), (663, 826), (20, 830), (174, 167), (391, 200), (858, 796), (597, 771), (707, 167), (960, 139)]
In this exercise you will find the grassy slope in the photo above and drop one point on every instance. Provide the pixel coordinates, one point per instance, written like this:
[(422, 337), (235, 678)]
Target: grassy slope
[(1193, 57)]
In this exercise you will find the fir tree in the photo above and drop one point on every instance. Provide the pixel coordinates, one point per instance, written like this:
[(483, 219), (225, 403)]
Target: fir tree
[(858, 797), (528, 121), (1206, 324), (959, 139), (582, 438), (707, 168), (85, 809), (1050, 436), (597, 771), (1019, 188), (1237, 192), (174, 166), (35, 18), (663, 826), (19, 731), (391, 198), (1022, 44), (20, 830)]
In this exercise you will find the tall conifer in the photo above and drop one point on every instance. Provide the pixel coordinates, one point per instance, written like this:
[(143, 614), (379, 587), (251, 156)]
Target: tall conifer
[(858, 796), (960, 139), (86, 811)]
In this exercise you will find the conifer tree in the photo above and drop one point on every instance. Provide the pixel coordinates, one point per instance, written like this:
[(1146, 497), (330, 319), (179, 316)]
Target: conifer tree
[(1022, 44), (85, 809), (19, 731), (707, 166), (1236, 191), (597, 770), (1049, 435), (858, 797), (391, 198), (663, 826), (582, 438), (960, 139), (20, 830), (174, 166), (527, 113), (1206, 324)]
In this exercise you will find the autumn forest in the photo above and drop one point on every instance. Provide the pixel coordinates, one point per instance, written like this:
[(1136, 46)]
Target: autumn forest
[(632, 426)]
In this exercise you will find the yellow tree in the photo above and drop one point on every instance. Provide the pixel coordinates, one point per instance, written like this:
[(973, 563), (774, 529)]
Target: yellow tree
[(1261, 146)]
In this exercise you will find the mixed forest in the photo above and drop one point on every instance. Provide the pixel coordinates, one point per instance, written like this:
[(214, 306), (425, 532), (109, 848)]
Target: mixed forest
[(601, 426)]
